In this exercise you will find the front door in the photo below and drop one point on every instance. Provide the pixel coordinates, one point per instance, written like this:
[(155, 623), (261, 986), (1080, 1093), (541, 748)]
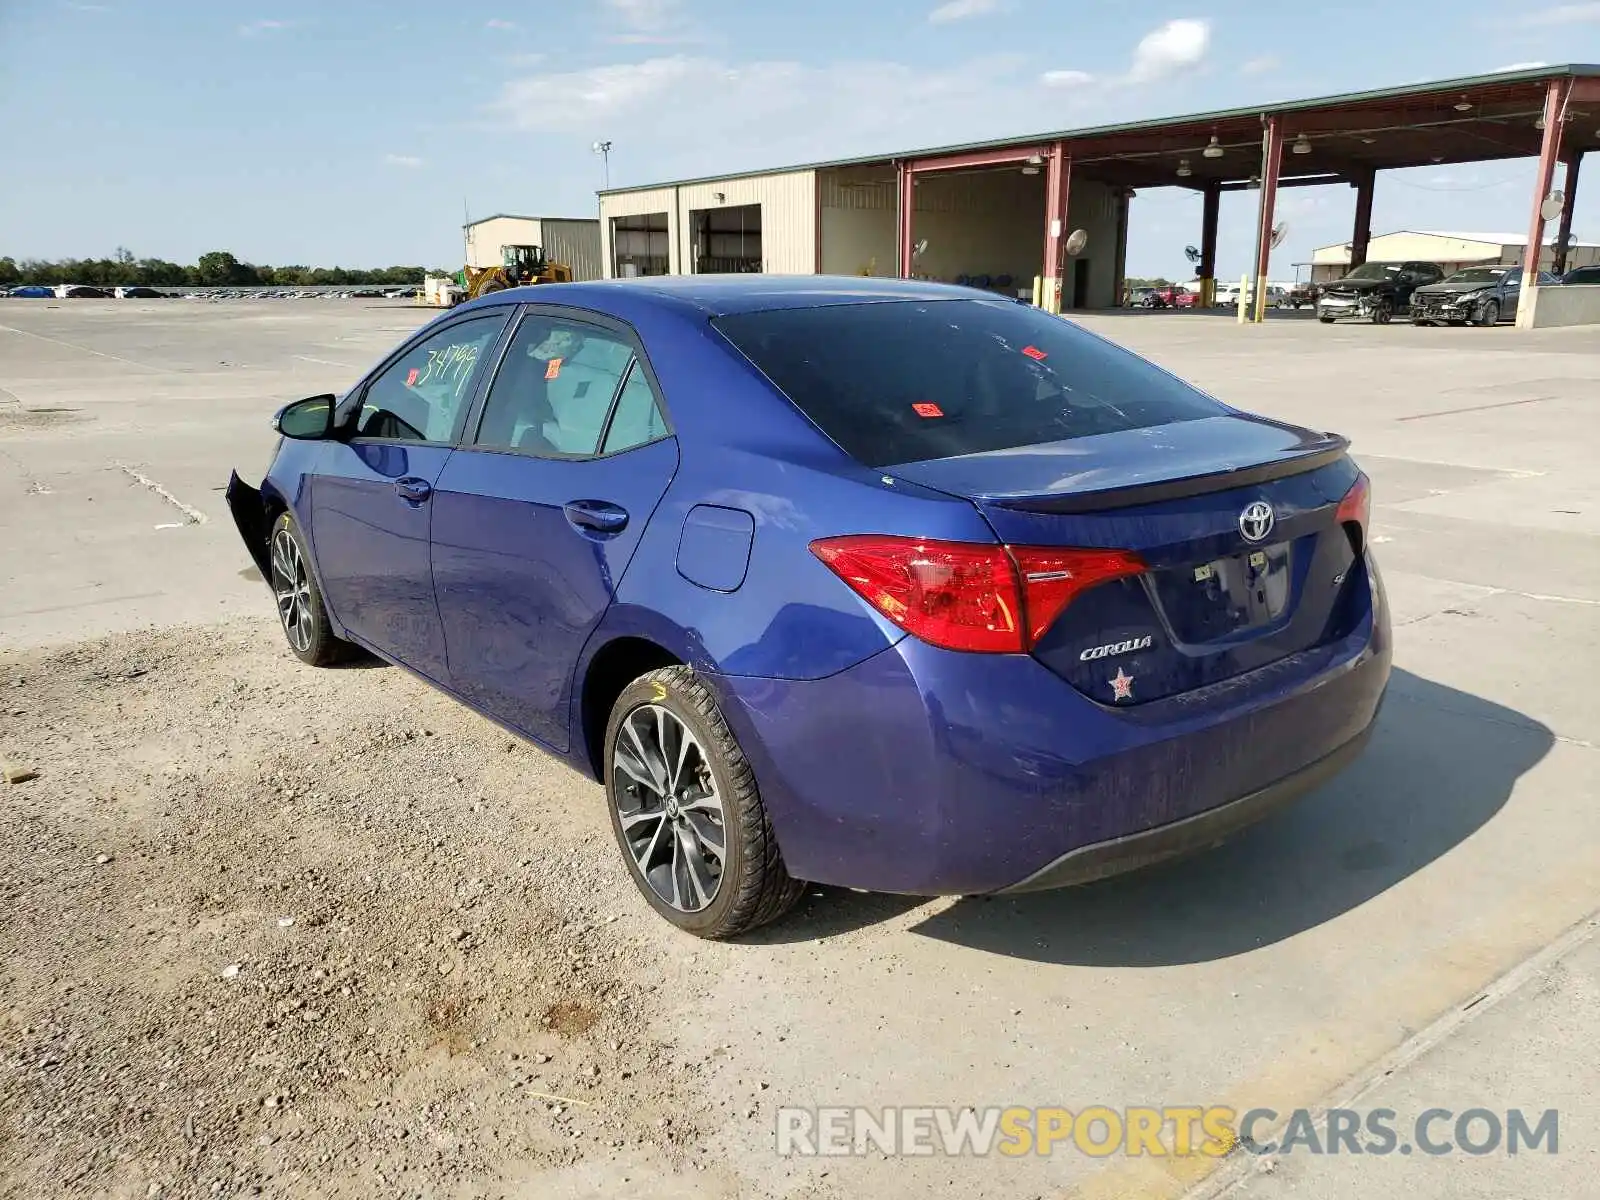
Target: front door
[(371, 495), (535, 520)]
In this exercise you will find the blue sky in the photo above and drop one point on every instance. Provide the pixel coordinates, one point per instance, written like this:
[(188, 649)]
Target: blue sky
[(292, 131)]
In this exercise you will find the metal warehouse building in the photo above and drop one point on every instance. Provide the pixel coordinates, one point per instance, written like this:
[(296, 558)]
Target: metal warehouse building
[(1002, 214), (574, 241), (1452, 251)]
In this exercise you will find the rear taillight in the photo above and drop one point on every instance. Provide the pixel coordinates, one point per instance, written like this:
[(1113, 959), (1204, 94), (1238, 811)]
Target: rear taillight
[(1356, 508), (970, 596)]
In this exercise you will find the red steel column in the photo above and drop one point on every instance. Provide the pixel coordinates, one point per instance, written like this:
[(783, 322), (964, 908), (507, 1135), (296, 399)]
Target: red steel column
[(1057, 188), (906, 179), (1269, 199), (1361, 235), (1211, 208), (1554, 103), (1569, 185)]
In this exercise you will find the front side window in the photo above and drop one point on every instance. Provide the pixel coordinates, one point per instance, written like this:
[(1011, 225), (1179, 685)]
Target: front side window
[(420, 397), (554, 388), (907, 381)]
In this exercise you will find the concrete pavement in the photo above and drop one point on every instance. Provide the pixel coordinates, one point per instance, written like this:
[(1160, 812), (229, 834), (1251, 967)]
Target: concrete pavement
[(1271, 972)]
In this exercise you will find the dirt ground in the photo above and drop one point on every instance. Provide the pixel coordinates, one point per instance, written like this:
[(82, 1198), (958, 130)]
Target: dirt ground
[(366, 960)]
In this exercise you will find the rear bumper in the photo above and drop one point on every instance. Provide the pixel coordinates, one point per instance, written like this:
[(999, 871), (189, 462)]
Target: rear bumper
[(1130, 852), (930, 772)]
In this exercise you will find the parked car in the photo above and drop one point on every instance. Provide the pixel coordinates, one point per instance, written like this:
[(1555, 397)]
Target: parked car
[(33, 291), (1582, 275), (140, 292), (1009, 608), (1302, 295), (1481, 295), (82, 291), (1375, 291)]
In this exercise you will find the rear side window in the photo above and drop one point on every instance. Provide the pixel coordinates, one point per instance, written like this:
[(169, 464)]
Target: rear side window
[(907, 381)]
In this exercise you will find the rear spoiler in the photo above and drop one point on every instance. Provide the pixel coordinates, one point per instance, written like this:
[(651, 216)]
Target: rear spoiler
[(1329, 450)]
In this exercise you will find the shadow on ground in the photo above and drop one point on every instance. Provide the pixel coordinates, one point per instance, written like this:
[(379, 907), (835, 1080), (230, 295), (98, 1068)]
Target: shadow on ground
[(1441, 763)]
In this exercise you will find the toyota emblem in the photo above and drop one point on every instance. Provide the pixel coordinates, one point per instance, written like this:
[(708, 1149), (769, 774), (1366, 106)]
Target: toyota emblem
[(1255, 522)]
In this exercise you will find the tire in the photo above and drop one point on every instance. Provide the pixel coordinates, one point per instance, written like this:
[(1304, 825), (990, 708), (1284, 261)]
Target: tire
[(750, 886), (1489, 314), (301, 614), (1326, 320), (1381, 314), (494, 285)]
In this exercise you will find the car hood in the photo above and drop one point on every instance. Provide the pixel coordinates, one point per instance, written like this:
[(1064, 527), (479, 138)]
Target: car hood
[(1353, 287), (1441, 289)]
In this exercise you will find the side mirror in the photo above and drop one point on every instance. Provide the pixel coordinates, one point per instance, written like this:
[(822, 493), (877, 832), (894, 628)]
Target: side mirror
[(307, 420)]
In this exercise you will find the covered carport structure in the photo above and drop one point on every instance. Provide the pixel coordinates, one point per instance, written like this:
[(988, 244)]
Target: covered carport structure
[(1552, 113)]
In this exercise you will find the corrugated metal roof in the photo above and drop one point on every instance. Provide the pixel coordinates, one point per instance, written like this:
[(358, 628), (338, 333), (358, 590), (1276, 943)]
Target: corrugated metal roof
[(1533, 74), (521, 217), (1488, 239)]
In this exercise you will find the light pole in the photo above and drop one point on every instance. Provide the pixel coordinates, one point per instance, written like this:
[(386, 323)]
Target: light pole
[(603, 149)]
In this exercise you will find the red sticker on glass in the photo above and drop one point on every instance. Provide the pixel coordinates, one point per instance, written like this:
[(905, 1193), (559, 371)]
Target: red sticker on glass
[(1035, 353), (927, 410), (411, 377), (552, 368)]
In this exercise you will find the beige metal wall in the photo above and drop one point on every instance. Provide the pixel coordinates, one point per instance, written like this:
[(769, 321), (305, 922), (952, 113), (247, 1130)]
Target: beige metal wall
[(788, 202), (857, 210), (980, 223), (632, 204), (1093, 207), (486, 237), (575, 242), (788, 218)]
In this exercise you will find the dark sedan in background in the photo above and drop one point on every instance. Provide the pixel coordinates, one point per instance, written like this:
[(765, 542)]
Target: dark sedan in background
[(1475, 295), (1375, 291)]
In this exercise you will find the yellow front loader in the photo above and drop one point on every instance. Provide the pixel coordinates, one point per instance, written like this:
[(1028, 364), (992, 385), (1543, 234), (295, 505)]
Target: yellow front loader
[(520, 266)]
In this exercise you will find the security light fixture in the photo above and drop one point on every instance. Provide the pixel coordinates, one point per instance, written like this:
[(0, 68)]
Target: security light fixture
[(1184, 170), (1539, 124), (1463, 105), (1302, 145), (1213, 148)]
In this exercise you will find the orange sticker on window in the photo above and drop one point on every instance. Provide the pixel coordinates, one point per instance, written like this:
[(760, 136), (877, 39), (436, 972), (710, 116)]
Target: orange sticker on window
[(1035, 353), (927, 410), (552, 368), (411, 377)]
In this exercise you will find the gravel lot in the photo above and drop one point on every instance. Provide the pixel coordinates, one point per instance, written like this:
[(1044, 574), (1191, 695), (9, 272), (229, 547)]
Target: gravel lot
[(270, 930)]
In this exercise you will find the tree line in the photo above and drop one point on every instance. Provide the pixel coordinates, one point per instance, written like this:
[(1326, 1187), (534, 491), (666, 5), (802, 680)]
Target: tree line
[(215, 269)]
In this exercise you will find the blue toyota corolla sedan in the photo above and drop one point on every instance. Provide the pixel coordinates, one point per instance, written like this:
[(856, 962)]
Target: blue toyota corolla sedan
[(866, 582)]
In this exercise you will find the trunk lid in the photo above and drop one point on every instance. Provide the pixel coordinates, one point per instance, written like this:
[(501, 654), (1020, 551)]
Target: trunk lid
[(1214, 601)]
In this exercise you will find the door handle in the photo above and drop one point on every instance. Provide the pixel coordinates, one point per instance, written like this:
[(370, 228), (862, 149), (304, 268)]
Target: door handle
[(412, 489), (600, 516)]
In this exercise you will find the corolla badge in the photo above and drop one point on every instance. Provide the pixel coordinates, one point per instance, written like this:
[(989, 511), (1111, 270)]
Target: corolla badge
[(1256, 521)]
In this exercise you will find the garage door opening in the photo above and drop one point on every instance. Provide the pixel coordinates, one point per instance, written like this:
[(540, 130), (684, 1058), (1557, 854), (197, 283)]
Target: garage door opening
[(640, 245), (727, 241)]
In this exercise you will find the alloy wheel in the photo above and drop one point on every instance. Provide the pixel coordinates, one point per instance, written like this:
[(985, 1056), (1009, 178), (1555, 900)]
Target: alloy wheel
[(292, 586), (669, 809)]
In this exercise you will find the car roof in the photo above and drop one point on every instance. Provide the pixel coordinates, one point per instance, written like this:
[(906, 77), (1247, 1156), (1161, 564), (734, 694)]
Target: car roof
[(719, 295)]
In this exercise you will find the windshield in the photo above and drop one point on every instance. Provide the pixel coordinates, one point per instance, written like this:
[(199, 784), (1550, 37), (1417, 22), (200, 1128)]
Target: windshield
[(1374, 271), (907, 381), (1477, 275)]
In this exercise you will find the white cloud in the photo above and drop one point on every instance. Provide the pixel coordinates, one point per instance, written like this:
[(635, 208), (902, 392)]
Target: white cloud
[(1263, 65), (767, 113), (1170, 48), (960, 10), (1563, 14), (1527, 66), (1065, 79), (500, 24), (410, 161), (252, 28)]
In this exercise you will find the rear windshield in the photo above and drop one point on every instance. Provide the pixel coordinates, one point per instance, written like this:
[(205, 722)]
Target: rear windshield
[(907, 381)]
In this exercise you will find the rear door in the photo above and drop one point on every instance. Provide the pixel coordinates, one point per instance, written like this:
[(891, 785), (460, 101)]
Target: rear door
[(537, 515), (371, 495)]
